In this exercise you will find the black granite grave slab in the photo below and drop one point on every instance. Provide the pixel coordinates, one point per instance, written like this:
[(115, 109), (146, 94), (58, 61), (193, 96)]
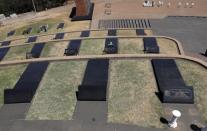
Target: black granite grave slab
[(170, 83), (85, 33), (74, 17), (150, 45), (112, 32), (59, 36), (32, 39), (36, 51), (205, 53), (111, 46), (25, 88), (5, 43), (3, 52), (73, 47), (140, 32), (60, 25), (94, 84), (11, 33), (27, 31)]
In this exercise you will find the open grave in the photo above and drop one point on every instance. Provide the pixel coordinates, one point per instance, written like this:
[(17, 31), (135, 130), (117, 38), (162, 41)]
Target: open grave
[(85, 33), (3, 52), (25, 88), (32, 39), (172, 88), (5, 43), (36, 51), (140, 32), (150, 45), (59, 36), (94, 84)]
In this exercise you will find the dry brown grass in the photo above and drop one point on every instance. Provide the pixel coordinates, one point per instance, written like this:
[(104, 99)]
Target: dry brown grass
[(92, 47), (132, 98), (195, 75), (98, 33), (148, 32), (126, 32), (131, 46), (167, 46)]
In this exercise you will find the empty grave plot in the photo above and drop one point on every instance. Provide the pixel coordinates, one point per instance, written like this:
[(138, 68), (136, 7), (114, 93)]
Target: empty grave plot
[(195, 75), (26, 86), (126, 32), (3, 52), (35, 51), (59, 36), (172, 88), (130, 46), (55, 98), (94, 83), (8, 78), (132, 98), (150, 45), (32, 39), (17, 52), (92, 47)]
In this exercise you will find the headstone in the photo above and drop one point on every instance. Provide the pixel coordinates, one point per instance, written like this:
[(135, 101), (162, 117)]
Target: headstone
[(206, 53), (82, 11)]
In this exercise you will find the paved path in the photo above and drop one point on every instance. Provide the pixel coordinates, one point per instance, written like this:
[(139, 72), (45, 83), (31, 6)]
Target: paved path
[(191, 32)]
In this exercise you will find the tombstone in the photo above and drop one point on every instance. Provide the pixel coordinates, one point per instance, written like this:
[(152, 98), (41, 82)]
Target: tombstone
[(11, 33), (43, 28), (82, 11), (205, 53), (60, 25), (27, 31)]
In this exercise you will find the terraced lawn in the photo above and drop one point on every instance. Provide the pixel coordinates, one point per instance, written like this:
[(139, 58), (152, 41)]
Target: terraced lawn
[(55, 98), (132, 98), (195, 75)]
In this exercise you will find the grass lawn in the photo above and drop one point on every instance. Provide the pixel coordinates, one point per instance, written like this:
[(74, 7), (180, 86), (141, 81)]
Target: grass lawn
[(98, 33), (167, 46), (195, 75), (55, 98), (131, 46), (92, 47), (17, 53), (54, 49), (8, 78), (126, 32), (132, 98)]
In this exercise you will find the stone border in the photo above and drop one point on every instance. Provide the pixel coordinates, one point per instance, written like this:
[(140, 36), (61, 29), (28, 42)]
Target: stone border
[(178, 44), (67, 32), (119, 56)]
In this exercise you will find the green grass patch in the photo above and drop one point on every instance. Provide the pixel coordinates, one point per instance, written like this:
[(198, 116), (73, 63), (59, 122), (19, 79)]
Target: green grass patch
[(8, 78), (195, 75), (131, 46), (55, 98), (92, 47), (17, 53), (132, 98)]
